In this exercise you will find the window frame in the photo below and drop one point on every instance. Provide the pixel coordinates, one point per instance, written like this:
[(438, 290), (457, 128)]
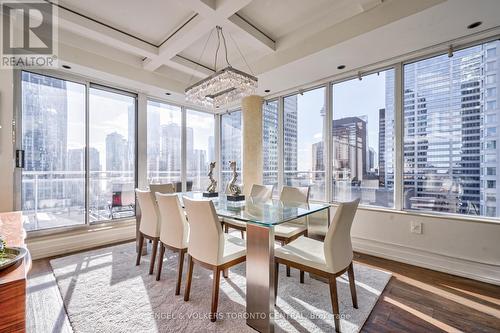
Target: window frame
[(17, 144), (397, 64), (184, 109)]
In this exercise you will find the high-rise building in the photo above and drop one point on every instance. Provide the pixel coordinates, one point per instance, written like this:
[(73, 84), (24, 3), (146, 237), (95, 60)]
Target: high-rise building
[(371, 160), (116, 152), (45, 117), (449, 133), (270, 142), (350, 148), (318, 159), (170, 148), (76, 159), (45, 133), (381, 147), (290, 130)]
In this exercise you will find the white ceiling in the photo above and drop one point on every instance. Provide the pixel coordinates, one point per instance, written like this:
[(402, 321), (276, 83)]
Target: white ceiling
[(279, 18), (287, 43), (150, 20)]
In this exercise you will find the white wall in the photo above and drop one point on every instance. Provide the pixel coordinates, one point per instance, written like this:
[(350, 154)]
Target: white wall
[(462, 247)]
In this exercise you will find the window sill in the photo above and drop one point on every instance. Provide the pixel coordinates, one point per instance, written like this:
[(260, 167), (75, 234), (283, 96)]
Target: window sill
[(436, 215), (86, 228)]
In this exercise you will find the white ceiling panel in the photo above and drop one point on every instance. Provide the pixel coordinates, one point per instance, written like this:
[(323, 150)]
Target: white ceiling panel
[(150, 20)]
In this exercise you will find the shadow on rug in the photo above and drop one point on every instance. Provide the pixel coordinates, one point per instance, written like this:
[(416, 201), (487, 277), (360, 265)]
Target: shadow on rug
[(103, 291)]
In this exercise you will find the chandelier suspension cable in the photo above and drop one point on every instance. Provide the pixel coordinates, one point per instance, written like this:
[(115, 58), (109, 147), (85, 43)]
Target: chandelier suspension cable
[(241, 53), (225, 46), (218, 46), (201, 56), (225, 86)]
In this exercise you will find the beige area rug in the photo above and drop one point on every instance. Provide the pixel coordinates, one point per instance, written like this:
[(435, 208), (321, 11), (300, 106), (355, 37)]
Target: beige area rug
[(103, 291)]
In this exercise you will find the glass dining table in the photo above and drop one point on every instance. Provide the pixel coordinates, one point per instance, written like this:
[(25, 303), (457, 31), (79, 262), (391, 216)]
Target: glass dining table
[(261, 217)]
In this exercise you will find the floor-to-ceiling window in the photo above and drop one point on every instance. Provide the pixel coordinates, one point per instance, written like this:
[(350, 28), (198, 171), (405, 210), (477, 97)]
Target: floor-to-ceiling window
[(53, 140), (111, 154), (69, 178), (451, 133), (304, 126), (270, 143), (163, 143), (200, 148), (230, 146), (363, 139)]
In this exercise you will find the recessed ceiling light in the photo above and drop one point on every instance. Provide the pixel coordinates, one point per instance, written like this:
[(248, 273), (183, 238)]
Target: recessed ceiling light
[(168, 94), (267, 90), (474, 25), (66, 67), (340, 66)]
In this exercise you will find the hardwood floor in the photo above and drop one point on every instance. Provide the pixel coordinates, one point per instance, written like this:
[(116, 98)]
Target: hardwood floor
[(422, 300), (415, 300)]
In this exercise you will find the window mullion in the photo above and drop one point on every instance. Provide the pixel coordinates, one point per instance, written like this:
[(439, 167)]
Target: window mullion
[(281, 146), (183, 150), (398, 137), (328, 143), (87, 154)]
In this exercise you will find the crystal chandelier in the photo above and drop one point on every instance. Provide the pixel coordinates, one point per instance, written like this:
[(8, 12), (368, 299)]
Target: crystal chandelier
[(224, 87)]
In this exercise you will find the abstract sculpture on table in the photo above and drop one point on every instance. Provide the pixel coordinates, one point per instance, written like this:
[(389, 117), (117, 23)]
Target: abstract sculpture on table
[(233, 190), (212, 188)]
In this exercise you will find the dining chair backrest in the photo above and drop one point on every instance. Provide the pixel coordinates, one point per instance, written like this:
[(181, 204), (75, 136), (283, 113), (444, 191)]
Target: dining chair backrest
[(261, 192), (161, 188), (295, 194), (337, 246), (149, 224), (174, 229), (206, 239)]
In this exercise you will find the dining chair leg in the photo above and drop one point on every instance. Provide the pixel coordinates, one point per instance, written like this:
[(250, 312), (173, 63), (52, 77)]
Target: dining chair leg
[(139, 253), (225, 273), (301, 276), (153, 256), (160, 261), (283, 243), (179, 273), (226, 228), (335, 302), (352, 284), (189, 278), (276, 279), (215, 294), (242, 234)]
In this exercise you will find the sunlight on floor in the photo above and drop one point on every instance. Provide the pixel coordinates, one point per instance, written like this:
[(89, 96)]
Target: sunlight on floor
[(423, 316), (452, 297)]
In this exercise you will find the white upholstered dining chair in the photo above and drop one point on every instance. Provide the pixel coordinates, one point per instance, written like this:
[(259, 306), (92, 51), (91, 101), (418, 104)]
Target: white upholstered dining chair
[(258, 192), (149, 226), (209, 247), (162, 188), (328, 259), (174, 232), (287, 232)]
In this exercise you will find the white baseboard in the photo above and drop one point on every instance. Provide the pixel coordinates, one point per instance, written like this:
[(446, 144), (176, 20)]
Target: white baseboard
[(460, 267), (57, 244)]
